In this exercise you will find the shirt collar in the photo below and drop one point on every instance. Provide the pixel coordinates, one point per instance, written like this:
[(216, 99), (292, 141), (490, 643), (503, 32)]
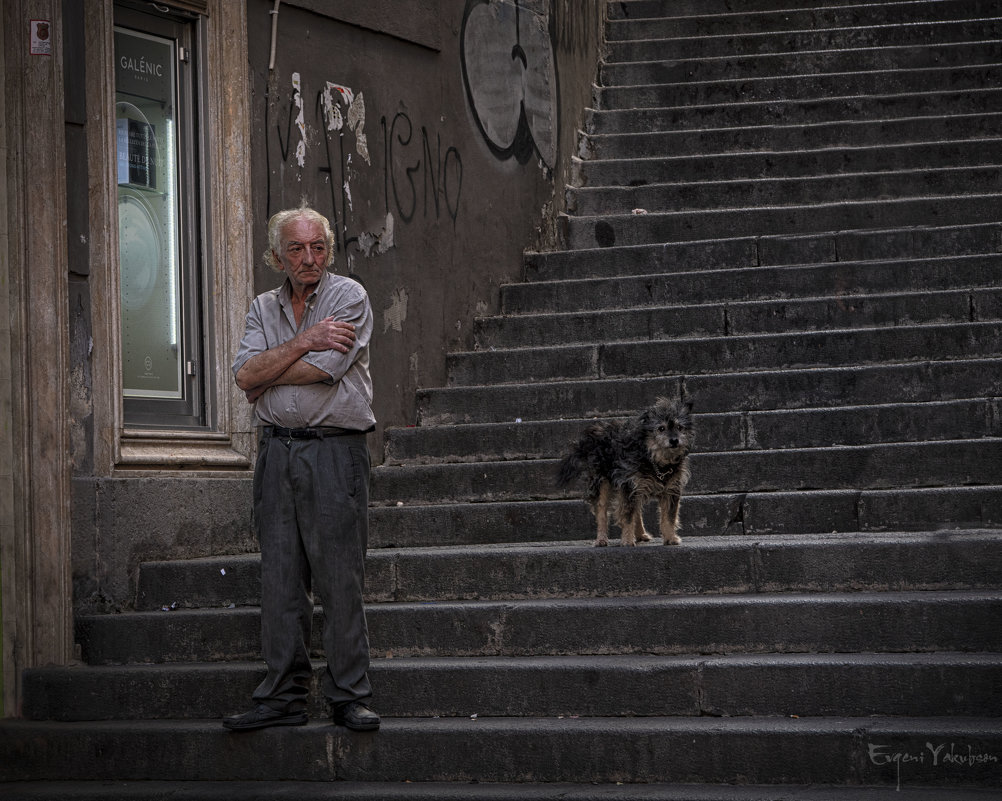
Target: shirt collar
[(285, 291)]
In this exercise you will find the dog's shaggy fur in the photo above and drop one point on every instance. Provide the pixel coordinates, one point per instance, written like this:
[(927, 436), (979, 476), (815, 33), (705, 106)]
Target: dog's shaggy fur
[(632, 462)]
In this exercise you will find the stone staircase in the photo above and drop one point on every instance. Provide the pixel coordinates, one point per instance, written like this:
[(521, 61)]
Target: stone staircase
[(791, 217)]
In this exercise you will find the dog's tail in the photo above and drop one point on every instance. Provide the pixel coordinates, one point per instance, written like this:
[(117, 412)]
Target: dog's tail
[(570, 467)]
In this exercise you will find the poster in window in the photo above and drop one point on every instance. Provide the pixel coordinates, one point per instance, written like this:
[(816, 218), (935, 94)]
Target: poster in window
[(145, 128)]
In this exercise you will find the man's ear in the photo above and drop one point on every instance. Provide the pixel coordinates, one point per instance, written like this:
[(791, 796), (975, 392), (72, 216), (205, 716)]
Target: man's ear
[(278, 261)]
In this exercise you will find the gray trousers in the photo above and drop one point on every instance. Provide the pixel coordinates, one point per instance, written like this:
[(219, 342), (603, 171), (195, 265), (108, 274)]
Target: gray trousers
[(311, 513)]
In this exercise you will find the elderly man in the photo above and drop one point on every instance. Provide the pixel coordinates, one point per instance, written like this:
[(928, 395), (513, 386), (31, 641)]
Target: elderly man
[(304, 364)]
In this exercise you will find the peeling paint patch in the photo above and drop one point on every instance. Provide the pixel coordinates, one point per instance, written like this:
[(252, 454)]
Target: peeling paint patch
[(356, 121), (413, 362), (332, 108), (396, 314), (381, 242), (297, 95), (334, 96)]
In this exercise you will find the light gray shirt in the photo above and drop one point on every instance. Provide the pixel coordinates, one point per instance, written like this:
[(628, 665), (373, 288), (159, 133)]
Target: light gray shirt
[(343, 400)]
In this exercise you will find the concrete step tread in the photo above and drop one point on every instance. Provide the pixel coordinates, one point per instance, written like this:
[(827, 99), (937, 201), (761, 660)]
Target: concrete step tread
[(890, 466), (631, 9), (611, 662), (787, 16), (930, 725), (931, 69), (462, 791), (731, 513), (720, 193), (732, 273), (707, 564), (965, 171), (718, 432), (655, 90), (917, 244), (804, 622), (836, 451), (749, 42), (709, 139), (806, 219), (938, 684), (751, 303), (704, 294), (623, 37), (761, 162), (785, 600), (973, 328), (750, 389), (847, 750), (645, 94), (877, 102), (702, 66)]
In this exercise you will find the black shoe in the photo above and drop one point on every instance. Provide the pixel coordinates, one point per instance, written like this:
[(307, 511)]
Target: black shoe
[(356, 716), (262, 716)]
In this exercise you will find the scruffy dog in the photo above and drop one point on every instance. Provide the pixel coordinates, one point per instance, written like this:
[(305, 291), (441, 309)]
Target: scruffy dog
[(629, 463)]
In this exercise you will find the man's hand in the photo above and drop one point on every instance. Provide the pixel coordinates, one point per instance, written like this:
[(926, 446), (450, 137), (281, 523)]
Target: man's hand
[(282, 365), (329, 334)]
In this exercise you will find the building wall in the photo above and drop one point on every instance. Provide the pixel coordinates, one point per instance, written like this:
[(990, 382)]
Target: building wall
[(6, 422), (369, 113), (371, 116)]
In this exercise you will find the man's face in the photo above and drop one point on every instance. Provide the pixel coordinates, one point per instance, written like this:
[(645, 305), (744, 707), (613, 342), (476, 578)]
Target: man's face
[(304, 253)]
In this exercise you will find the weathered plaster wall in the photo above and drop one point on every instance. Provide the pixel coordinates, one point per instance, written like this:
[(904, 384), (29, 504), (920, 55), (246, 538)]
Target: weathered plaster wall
[(436, 135), (417, 147)]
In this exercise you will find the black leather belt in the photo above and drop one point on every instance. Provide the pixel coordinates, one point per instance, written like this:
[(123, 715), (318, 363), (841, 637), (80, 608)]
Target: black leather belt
[(315, 432)]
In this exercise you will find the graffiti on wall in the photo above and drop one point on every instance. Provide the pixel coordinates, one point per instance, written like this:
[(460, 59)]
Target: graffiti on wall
[(410, 162), (422, 178), (510, 77)]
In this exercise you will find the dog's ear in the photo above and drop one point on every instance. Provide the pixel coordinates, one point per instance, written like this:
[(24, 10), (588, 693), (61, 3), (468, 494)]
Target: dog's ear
[(688, 407)]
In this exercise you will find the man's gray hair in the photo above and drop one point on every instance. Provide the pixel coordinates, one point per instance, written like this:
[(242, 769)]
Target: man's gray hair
[(277, 223)]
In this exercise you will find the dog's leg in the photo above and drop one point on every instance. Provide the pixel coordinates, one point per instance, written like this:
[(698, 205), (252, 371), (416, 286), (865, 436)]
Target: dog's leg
[(601, 510), (640, 528), (668, 507), (627, 511)]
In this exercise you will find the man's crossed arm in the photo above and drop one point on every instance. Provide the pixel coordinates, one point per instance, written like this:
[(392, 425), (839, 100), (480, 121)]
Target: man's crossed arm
[(284, 363)]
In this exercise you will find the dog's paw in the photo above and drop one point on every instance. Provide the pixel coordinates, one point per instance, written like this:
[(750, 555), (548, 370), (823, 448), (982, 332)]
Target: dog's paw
[(643, 536), (601, 542), (674, 539)]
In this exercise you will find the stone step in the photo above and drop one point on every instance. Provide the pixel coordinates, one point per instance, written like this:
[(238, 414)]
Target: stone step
[(801, 563), (912, 243), (672, 24), (822, 387), (848, 751), (741, 513), (638, 9), (781, 137), (907, 33), (689, 356), (685, 92), (734, 319), (882, 622), (890, 466), (805, 164), (755, 288), (767, 113), (665, 69), (744, 298), (456, 791), (636, 686), (714, 194), (731, 431), (581, 232)]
